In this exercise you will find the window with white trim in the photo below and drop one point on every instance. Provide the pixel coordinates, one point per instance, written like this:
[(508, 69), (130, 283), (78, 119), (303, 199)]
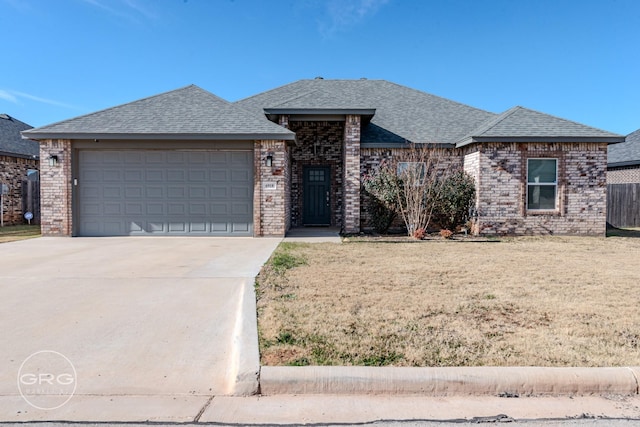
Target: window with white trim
[(542, 184), (412, 171)]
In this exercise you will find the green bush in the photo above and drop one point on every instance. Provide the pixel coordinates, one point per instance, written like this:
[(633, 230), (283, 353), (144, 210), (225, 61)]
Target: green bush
[(456, 197), (382, 189)]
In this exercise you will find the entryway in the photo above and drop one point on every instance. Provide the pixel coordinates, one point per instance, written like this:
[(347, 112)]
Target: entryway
[(317, 196)]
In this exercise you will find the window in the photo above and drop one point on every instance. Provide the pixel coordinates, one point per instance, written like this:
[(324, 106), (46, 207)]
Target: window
[(32, 175), (542, 184), (412, 171)]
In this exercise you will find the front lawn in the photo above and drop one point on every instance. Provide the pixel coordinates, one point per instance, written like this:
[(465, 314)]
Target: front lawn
[(11, 233), (542, 301)]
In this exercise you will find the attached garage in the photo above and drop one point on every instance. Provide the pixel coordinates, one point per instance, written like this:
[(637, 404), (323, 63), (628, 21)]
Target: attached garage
[(182, 163), (164, 192)]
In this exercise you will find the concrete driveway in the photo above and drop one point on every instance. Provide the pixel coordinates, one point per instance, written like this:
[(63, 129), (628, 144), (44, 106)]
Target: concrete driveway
[(168, 318)]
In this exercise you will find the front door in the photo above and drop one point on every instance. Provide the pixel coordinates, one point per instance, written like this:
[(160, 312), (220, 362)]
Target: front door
[(317, 204)]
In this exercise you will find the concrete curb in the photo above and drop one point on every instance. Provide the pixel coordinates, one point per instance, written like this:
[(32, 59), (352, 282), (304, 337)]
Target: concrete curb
[(508, 381), (245, 357)]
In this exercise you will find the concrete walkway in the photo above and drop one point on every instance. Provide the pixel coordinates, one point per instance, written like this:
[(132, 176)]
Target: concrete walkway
[(313, 235)]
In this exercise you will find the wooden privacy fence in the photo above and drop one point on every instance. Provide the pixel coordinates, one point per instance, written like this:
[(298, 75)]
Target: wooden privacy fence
[(31, 199), (623, 205)]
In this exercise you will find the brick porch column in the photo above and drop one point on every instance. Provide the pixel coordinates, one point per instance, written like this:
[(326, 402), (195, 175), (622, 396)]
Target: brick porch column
[(351, 177), (56, 188), (271, 194)]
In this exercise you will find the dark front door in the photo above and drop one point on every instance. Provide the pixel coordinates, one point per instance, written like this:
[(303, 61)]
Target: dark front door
[(317, 206)]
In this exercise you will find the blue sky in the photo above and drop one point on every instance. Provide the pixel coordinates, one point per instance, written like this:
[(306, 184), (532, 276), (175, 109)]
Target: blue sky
[(577, 59)]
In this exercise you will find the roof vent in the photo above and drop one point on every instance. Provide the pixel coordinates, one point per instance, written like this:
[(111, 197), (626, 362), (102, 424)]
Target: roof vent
[(5, 116), (363, 78), (319, 78)]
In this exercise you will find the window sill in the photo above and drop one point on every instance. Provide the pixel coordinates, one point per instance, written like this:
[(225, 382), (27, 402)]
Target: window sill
[(543, 212)]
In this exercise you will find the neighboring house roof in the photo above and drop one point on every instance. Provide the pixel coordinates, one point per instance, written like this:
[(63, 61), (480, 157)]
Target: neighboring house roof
[(626, 153), (11, 143), (520, 124), (189, 113), (400, 114)]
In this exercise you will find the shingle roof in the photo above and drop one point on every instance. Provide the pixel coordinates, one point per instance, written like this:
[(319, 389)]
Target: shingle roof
[(187, 113), (11, 143), (523, 124), (626, 153), (401, 114)]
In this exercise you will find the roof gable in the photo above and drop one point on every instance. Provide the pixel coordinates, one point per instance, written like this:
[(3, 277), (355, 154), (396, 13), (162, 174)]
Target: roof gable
[(626, 153), (520, 124), (401, 115), (187, 113), (11, 143)]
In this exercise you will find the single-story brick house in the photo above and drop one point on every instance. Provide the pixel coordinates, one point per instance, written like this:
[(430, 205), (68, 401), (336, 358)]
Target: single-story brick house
[(19, 158), (189, 163), (624, 161)]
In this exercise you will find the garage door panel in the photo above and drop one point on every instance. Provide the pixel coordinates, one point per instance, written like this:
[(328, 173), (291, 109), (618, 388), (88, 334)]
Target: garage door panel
[(241, 227), (154, 157), (110, 157), (197, 209), (176, 175), (110, 175), (133, 192), (198, 175), (240, 192), (112, 209), (176, 157), (154, 192), (154, 175), (176, 209), (156, 209), (176, 193), (133, 209), (140, 192), (132, 158), (198, 227), (111, 193)]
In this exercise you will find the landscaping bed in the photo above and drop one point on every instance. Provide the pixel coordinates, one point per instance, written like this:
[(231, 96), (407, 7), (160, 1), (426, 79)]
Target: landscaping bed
[(531, 301)]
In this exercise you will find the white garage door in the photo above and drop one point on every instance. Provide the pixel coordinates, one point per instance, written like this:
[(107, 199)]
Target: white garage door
[(154, 192)]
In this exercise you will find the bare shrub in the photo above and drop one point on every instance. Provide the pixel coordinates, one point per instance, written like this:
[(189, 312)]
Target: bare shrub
[(420, 186)]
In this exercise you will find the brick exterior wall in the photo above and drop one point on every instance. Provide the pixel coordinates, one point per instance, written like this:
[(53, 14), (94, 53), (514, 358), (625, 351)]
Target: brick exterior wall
[(624, 175), (12, 171), (271, 206), (351, 170), (501, 199), (56, 188), (317, 144)]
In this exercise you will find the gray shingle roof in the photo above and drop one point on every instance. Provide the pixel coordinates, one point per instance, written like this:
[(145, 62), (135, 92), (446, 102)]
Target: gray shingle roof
[(626, 153), (11, 143), (523, 124), (187, 113), (401, 114)]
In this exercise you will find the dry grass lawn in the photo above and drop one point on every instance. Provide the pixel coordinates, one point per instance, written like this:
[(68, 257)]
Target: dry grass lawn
[(11, 233), (538, 301)]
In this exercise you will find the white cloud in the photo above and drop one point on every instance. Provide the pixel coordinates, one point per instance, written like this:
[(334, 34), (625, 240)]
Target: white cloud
[(7, 96), (131, 10), (344, 14), (15, 96)]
